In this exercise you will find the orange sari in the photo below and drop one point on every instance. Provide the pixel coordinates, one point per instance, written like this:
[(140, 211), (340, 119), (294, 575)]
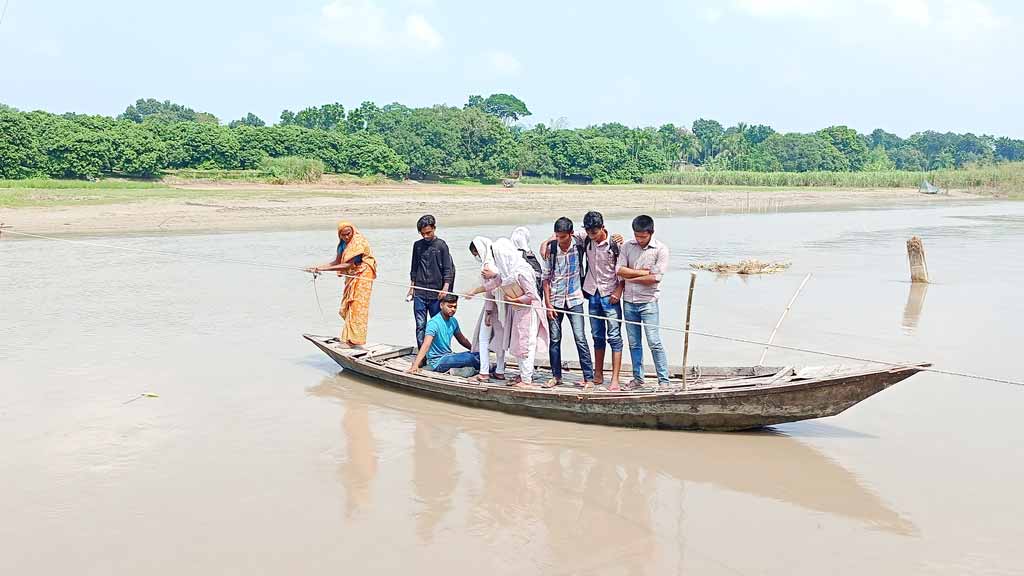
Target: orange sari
[(355, 301)]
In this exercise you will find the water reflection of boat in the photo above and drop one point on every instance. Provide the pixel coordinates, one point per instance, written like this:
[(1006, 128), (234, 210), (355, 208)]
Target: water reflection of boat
[(527, 471), (734, 398)]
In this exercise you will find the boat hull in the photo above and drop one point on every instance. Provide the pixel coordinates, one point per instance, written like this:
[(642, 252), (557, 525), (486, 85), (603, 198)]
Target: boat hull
[(723, 408)]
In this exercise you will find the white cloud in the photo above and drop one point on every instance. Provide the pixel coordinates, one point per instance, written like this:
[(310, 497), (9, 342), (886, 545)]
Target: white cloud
[(914, 11), (965, 15), (367, 25), (968, 17), (358, 23), (711, 14), (775, 8), (504, 63), (421, 32)]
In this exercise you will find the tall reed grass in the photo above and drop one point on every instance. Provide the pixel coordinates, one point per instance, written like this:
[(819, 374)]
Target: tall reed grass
[(1007, 177), (292, 169)]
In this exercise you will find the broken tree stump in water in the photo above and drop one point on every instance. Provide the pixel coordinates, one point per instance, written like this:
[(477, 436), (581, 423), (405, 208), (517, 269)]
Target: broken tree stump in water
[(918, 265)]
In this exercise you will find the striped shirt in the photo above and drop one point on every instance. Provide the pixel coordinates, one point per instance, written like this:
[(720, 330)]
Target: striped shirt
[(565, 277)]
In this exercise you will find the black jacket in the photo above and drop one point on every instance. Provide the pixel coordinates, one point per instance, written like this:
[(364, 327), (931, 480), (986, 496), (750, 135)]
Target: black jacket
[(432, 266)]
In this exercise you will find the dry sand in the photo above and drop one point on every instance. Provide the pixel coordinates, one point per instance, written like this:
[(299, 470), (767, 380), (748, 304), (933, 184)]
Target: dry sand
[(246, 206)]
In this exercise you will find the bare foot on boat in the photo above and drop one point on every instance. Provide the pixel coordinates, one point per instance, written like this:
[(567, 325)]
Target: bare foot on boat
[(598, 377), (497, 376), (552, 382), (481, 378), (589, 385), (350, 346), (614, 387)]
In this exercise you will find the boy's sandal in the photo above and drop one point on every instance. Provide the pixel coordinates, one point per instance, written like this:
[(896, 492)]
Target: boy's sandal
[(551, 383)]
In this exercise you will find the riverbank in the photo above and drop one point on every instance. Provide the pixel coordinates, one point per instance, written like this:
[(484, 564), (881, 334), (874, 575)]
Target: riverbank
[(192, 205)]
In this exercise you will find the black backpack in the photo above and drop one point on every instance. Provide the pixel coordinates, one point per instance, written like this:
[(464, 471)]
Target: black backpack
[(581, 250), (538, 272)]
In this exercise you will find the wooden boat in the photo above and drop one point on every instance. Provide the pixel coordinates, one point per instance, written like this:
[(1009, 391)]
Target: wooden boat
[(715, 398)]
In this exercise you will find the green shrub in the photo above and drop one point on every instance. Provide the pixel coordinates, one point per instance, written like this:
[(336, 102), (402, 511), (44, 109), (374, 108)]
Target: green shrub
[(292, 169)]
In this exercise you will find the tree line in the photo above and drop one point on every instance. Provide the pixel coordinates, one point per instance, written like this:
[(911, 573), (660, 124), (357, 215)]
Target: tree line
[(480, 140)]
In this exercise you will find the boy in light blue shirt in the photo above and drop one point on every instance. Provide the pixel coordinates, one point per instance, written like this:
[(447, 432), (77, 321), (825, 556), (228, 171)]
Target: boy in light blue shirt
[(437, 343)]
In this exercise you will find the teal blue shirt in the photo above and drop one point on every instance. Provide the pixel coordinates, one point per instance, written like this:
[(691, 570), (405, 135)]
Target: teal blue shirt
[(443, 331)]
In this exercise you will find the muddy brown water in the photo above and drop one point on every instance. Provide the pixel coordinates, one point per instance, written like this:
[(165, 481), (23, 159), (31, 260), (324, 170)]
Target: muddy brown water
[(258, 457)]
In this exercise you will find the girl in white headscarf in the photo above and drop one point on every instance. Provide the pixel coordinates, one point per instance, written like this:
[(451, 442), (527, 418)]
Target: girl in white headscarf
[(526, 328), (490, 330), (521, 239)]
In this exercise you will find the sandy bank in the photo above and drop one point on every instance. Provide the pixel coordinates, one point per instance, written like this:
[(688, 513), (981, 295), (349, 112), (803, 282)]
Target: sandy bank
[(247, 206)]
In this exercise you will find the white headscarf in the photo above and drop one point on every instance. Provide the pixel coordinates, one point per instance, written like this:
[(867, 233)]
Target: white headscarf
[(510, 262), (484, 255), (521, 238)]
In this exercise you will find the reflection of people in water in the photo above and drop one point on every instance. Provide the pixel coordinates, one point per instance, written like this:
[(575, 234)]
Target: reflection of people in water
[(607, 503), (435, 473), (543, 495), (359, 469)]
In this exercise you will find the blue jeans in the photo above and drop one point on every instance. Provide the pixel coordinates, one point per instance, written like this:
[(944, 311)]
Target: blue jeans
[(648, 314), (579, 334), (456, 360), (424, 308), (605, 317)]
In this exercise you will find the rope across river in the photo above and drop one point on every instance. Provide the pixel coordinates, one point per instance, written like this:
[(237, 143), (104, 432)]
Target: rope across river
[(406, 285)]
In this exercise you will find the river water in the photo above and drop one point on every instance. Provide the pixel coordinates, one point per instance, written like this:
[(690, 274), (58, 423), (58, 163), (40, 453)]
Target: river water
[(258, 457)]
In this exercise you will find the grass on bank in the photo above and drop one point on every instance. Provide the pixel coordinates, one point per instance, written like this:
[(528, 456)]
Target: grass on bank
[(1007, 178), (106, 184)]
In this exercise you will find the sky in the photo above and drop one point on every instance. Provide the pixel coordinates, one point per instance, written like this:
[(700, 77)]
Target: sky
[(797, 65)]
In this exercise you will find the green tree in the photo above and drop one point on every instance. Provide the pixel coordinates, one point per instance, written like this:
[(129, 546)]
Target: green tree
[(154, 110), (758, 133), (849, 143), (81, 154), (1009, 149), (907, 157), (326, 117), (878, 160), (249, 119), (886, 140), (135, 151), (365, 117), (804, 153), (971, 149), (195, 145), (505, 106), (709, 133), (369, 154), (20, 156)]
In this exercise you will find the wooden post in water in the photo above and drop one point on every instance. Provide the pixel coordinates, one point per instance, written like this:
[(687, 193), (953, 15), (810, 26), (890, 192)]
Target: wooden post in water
[(686, 335), (918, 266)]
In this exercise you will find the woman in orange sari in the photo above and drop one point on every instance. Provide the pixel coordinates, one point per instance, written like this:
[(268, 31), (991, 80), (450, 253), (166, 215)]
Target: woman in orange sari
[(355, 261)]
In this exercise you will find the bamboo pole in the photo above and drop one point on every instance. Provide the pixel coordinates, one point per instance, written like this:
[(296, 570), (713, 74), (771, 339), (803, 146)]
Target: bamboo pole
[(686, 335), (781, 318), (918, 265)]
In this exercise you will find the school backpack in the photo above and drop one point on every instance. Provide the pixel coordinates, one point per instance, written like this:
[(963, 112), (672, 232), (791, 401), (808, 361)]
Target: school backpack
[(581, 251), (538, 272)]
